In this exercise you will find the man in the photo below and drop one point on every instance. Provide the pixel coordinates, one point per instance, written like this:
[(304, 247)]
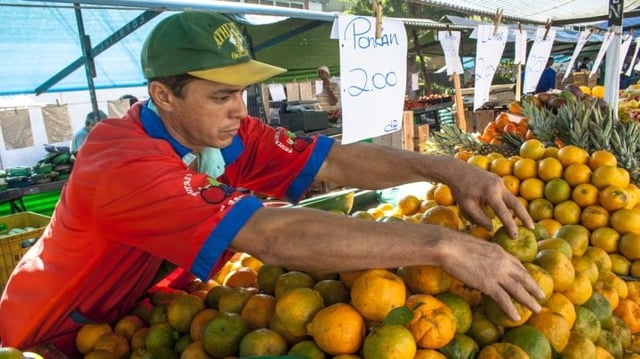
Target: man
[(162, 184), (329, 98), (90, 121), (547, 79)]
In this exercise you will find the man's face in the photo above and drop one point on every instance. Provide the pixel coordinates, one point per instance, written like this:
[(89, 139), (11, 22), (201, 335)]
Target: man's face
[(207, 115), (323, 75)]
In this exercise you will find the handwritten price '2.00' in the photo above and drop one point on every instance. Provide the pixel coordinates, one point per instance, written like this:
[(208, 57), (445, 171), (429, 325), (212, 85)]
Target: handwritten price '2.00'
[(377, 81)]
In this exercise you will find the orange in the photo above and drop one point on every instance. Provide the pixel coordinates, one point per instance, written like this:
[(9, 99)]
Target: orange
[(267, 277), (613, 198), (377, 213), (600, 258), (182, 310), (635, 268), (512, 184), (543, 278), (139, 339), (620, 265), (333, 291), (625, 221), (309, 349), (408, 204), (634, 195), (471, 295), (441, 215), (559, 266), (579, 347), (479, 231), (580, 291), (433, 324), (291, 280), (556, 243), (551, 152), (577, 235), (540, 208), (567, 212), (619, 284), (242, 277), (260, 342), (605, 297), (532, 188), (250, 261), (577, 173), (586, 324), (389, 342), (553, 326), (426, 279), (501, 166), (114, 343), (482, 330), (427, 354), (602, 158), (365, 215), (502, 351), (161, 335), (337, 329), (296, 309), (460, 308), (223, 272), (524, 246), (463, 155), (442, 194), (585, 194), (348, 278), (461, 346), (532, 148), (128, 325), (594, 217), (89, 334), (549, 168), (376, 292), (551, 225), (525, 168), (629, 245), (605, 176), (258, 310), (602, 353), (585, 266), (234, 301), (200, 321), (557, 190), (559, 303), (496, 315), (629, 312), (223, 334), (426, 204), (571, 154), (480, 161), (530, 339)]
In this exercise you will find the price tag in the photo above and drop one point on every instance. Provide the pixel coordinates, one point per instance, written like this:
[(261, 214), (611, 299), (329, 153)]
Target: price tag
[(538, 58), (373, 75), (582, 39), (450, 42), (489, 48)]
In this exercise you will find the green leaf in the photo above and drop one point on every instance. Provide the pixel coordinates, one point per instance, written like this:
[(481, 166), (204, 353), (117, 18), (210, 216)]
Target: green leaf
[(398, 316)]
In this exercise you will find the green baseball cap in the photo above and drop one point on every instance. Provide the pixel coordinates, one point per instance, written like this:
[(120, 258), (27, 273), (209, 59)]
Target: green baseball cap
[(206, 45)]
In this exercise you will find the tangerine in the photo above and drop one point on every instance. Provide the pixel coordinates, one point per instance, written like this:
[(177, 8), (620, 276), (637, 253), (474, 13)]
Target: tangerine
[(585, 194), (601, 158), (433, 324), (532, 148), (376, 292), (567, 212), (389, 342), (572, 154), (337, 329), (426, 279), (594, 217), (549, 168), (296, 308)]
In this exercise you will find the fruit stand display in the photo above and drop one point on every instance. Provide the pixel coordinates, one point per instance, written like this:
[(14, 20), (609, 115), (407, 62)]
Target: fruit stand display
[(579, 182)]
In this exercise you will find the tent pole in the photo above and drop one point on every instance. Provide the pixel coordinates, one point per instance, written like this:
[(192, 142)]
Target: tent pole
[(89, 65)]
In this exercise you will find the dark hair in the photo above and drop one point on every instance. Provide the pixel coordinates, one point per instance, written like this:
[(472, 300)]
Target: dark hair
[(92, 118), (175, 83), (132, 99)]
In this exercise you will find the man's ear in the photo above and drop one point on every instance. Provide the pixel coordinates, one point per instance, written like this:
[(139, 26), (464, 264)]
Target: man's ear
[(161, 95)]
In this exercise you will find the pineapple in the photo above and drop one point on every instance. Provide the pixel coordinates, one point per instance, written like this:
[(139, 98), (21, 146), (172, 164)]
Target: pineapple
[(451, 139)]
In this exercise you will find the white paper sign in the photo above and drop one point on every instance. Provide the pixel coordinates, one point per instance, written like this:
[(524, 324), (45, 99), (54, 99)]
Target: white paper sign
[(624, 49), (538, 58), (606, 41), (633, 59), (520, 47), (450, 42), (373, 76), (277, 92), (415, 82), (582, 39), (489, 50)]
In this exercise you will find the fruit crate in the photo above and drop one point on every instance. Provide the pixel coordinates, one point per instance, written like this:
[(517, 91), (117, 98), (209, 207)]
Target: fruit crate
[(14, 246)]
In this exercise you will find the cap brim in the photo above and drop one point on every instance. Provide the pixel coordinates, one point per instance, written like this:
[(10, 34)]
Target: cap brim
[(244, 74)]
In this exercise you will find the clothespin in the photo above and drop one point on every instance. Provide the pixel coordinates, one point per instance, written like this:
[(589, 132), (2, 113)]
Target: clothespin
[(591, 31), (449, 29), (547, 27), (377, 10), (496, 21), (58, 102), (520, 27)]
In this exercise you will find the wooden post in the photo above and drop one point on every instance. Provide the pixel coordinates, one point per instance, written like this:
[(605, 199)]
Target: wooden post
[(460, 121)]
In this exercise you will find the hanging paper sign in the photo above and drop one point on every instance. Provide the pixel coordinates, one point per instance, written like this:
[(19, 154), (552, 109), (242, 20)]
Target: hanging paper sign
[(450, 42), (520, 47), (538, 58), (606, 41), (489, 50), (373, 73), (582, 39), (633, 58), (624, 49)]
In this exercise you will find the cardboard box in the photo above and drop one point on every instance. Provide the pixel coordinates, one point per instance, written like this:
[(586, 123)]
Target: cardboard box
[(305, 121), (482, 118)]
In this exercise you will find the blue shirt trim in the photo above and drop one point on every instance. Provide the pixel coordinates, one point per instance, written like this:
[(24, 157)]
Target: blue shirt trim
[(222, 235), (232, 151), (304, 179), (154, 128)]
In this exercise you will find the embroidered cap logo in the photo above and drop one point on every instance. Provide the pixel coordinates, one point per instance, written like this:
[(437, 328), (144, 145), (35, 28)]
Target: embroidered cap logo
[(228, 32)]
